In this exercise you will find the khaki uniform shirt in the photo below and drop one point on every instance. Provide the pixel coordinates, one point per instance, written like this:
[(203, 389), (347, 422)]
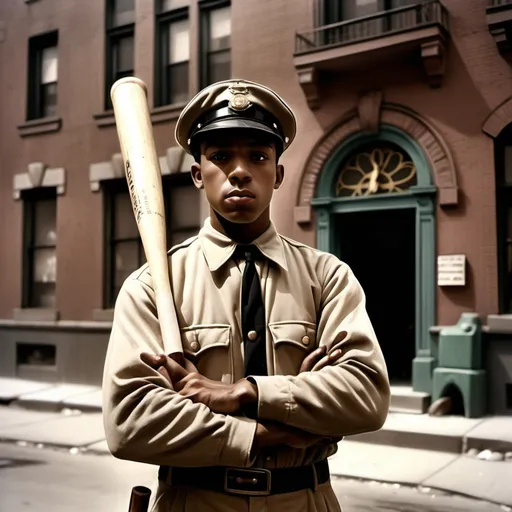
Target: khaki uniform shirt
[(311, 298)]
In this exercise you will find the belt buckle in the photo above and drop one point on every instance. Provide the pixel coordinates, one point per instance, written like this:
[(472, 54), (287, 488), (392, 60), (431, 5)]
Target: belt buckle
[(248, 482)]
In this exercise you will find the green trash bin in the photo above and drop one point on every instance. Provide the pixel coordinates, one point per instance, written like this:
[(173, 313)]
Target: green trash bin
[(460, 365)]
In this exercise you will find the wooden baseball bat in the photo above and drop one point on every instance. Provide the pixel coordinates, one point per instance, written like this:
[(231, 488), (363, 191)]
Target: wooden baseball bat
[(142, 169), (139, 499)]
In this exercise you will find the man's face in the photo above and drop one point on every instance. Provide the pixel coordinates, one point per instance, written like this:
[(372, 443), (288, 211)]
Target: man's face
[(239, 176)]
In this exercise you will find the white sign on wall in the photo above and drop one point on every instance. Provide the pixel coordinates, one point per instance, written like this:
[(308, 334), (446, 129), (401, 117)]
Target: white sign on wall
[(451, 270)]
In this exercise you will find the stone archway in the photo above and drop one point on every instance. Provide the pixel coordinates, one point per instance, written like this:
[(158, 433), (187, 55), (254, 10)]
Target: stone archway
[(498, 119), (369, 115)]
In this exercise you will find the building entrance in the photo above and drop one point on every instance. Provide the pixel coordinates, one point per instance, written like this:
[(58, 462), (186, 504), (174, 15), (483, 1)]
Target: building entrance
[(379, 246)]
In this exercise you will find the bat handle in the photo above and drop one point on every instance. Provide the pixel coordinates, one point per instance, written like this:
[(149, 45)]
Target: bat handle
[(139, 499)]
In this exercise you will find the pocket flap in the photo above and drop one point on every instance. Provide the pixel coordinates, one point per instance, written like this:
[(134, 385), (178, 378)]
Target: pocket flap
[(199, 338), (298, 333)]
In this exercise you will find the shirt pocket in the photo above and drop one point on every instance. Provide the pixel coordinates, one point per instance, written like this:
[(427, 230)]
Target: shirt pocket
[(292, 342), (209, 347)]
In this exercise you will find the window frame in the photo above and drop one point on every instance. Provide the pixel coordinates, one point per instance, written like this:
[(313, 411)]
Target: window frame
[(205, 8), (111, 189), (36, 46), (113, 35), (30, 198), (164, 20)]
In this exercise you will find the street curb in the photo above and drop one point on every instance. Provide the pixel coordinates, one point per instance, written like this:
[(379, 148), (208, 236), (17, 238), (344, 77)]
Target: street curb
[(48, 406), (63, 447), (409, 439), (420, 485)]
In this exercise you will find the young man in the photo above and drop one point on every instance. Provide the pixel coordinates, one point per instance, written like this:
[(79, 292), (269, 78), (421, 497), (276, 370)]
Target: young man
[(282, 360)]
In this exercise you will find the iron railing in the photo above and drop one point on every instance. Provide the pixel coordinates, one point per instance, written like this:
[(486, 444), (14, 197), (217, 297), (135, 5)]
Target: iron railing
[(370, 27)]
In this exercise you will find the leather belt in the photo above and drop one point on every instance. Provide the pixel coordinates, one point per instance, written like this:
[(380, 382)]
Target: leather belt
[(248, 481)]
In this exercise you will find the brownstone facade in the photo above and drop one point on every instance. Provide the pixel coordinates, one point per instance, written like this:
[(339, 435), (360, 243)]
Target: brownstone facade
[(437, 72)]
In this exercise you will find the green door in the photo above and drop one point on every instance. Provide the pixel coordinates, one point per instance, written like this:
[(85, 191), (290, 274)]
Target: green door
[(375, 205)]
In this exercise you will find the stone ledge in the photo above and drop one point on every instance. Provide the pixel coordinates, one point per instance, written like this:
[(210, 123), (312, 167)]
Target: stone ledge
[(35, 315), (40, 126), (60, 325), (105, 119), (500, 323), (103, 315)]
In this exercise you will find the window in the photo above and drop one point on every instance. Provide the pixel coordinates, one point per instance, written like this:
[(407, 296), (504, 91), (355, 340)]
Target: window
[(215, 43), (182, 200), (334, 11), (124, 249), (120, 39), (379, 167), (173, 53), (42, 76), (503, 159), (40, 248)]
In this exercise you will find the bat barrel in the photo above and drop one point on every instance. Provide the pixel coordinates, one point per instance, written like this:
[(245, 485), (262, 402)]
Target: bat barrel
[(142, 169), (128, 80)]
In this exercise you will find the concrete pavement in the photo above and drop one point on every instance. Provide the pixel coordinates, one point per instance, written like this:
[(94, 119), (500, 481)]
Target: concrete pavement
[(33, 480), (471, 457)]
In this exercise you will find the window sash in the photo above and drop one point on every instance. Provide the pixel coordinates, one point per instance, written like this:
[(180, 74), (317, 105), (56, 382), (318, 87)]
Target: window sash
[(43, 76), (181, 200), (216, 39), (177, 84), (40, 276), (219, 28), (49, 65), (171, 5), (178, 42), (123, 54), (217, 71), (122, 12), (114, 70), (172, 72)]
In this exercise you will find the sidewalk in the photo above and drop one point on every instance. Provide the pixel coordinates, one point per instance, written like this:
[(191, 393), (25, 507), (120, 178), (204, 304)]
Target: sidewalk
[(466, 456)]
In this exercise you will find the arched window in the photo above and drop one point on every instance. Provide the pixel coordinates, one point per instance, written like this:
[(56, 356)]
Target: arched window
[(379, 167), (503, 159)]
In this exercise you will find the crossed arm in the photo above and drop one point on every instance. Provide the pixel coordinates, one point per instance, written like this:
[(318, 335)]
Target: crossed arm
[(172, 420), (232, 398)]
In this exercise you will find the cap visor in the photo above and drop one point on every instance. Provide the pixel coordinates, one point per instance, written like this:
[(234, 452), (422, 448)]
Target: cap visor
[(237, 124)]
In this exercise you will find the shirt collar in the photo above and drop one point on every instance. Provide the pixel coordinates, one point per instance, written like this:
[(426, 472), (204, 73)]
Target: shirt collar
[(218, 248)]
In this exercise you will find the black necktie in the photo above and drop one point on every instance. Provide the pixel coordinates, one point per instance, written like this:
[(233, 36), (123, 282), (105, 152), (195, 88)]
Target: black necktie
[(253, 313)]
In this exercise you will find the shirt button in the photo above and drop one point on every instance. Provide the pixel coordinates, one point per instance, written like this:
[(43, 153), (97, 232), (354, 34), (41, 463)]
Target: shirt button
[(194, 346), (306, 340), (252, 335)]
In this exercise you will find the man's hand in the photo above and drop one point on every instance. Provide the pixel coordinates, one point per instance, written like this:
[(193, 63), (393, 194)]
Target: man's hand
[(219, 397), (318, 359)]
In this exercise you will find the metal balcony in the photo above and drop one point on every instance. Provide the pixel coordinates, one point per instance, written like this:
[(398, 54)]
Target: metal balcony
[(420, 29)]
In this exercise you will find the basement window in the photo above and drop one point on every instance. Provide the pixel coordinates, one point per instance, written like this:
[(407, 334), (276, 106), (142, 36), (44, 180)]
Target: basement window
[(35, 354)]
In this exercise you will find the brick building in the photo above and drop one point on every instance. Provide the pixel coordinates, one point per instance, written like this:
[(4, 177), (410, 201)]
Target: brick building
[(402, 166)]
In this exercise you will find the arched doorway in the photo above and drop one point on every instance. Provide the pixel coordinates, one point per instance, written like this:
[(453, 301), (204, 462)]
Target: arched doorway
[(375, 210)]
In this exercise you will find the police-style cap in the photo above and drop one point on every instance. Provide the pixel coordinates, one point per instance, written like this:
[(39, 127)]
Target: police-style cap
[(236, 104)]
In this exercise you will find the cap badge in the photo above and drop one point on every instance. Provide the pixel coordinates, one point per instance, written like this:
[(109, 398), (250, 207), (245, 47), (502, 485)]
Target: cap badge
[(239, 100)]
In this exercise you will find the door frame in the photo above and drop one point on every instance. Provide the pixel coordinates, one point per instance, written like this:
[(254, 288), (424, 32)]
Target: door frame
[(420, 197)]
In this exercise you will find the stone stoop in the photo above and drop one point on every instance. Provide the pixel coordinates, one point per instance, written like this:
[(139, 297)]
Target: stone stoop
[(405, 400)]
